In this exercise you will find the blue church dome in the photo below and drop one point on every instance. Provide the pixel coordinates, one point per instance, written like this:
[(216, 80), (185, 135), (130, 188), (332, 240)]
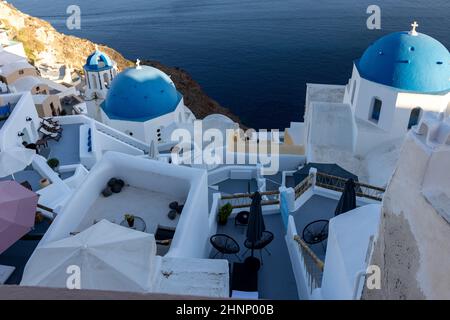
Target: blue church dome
[(141, 94), (98, 61), (408, 62)]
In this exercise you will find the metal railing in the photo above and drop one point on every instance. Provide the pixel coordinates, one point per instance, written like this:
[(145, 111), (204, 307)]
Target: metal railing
[(303, 186), (243, 200), (313, 265), (337, 184)]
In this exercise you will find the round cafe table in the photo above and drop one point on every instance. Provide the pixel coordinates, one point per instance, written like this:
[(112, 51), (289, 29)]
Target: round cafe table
[(139, 224)]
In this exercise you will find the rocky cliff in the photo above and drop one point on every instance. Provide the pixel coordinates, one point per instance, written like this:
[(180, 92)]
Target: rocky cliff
[(49, 49)]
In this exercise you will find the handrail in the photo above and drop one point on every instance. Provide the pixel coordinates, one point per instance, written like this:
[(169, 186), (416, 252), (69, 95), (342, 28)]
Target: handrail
[(242, 196), (319, 263), (263, 203), (249, 195), (303, 186), (361, 184), (337, 184), (313, 266)]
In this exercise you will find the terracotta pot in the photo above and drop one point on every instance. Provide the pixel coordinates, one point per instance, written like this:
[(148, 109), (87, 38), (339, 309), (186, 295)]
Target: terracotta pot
[(44, 182)]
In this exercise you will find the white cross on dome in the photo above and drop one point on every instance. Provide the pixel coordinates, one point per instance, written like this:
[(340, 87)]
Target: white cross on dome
[(414, 27)]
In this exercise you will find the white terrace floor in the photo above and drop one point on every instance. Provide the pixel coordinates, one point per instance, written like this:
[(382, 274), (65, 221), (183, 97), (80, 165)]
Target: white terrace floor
[(151, 206)]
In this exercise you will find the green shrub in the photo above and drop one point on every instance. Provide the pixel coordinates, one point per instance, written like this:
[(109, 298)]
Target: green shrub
[(53, 163), (224, 213)]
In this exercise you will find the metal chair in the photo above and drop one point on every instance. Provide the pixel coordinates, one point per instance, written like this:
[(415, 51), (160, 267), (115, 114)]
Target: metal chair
[(266, 239), (316, 232), (224, 244)]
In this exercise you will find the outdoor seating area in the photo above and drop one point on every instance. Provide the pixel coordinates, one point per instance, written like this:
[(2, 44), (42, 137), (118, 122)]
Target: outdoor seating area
[(64, 147), (275, 278), (50, 129), (136, 208), (312, 218), (246, 241)]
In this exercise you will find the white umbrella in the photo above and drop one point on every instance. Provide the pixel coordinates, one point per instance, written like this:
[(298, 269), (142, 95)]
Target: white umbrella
[(108, 257), (15, 159)]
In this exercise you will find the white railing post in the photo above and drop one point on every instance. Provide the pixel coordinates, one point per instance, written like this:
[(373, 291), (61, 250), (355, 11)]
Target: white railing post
[(313, 173)]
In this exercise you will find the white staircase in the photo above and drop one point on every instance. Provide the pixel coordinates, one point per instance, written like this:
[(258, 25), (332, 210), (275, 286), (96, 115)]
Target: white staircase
[(121, 137)]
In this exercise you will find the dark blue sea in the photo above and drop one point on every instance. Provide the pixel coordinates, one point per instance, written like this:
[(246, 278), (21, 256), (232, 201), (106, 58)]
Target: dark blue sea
[(253, 56)]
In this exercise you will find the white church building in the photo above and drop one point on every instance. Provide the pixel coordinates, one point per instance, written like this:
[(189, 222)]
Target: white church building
[(362, 125), (139, 101)]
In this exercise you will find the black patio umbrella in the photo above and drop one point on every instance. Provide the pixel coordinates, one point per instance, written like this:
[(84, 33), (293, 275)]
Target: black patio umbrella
[(256, 226), (347, 201)]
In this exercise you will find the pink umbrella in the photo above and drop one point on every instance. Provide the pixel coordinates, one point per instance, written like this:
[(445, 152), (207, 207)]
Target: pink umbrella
[(17, 212)]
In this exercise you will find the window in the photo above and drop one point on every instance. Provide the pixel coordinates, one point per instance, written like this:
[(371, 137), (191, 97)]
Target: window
[(21, 72), (376, 110), (353, 91), (106, 79), (414, 117), (94, 82)]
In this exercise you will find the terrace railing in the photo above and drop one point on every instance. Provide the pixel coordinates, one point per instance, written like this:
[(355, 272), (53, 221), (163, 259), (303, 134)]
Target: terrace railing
[(337, 184), (312, 264), (303, 186), (243, 200)]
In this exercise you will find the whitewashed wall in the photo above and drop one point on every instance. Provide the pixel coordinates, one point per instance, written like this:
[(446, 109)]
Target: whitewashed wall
[(24, 108)]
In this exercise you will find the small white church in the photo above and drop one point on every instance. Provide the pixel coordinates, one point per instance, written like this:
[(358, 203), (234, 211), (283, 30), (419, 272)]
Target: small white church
[(362, 125), (140, 101)]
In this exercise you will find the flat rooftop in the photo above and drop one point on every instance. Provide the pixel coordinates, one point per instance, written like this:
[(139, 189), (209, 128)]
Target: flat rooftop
[(67, 149), (325, 93), (151, 206)]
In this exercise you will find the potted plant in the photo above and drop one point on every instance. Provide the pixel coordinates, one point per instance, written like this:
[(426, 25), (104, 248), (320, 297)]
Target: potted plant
[(130, 220), (224, 213), (53, 163), (38, 217)]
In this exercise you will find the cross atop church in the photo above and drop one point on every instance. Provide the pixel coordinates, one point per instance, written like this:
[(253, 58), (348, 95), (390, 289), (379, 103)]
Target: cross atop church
[(414, 27), (138, 64)]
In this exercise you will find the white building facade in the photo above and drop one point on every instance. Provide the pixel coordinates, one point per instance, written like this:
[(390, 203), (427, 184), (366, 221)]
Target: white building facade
[(397, 80)]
